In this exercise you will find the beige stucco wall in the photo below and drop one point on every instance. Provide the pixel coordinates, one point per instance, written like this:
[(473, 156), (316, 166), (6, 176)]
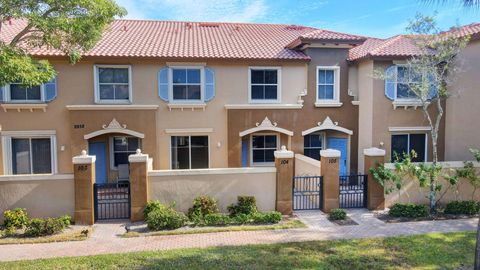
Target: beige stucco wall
[(413, 193), (365, 111), (306, 166), (461, 132), (42, 195), (76, 87), (224, 185)]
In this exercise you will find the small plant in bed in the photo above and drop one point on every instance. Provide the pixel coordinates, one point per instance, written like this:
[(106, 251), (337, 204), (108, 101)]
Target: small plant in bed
[(202, 206), (339, 217), (462, 208), (163, 217)]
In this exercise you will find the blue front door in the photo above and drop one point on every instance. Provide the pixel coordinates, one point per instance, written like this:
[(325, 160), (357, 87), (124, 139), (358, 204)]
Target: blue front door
[(99, 149), (341, 145)]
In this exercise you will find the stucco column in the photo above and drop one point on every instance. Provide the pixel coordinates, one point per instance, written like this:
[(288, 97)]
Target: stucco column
[(84, 177), (138, 184), (285, 168), (375, 192), (330, 170)]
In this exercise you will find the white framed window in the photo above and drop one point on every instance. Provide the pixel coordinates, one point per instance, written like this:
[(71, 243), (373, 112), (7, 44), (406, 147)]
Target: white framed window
[(113, 84), (262, 148), (122, 147), (29, 152), (264, 84), (189, 152), (404, 143), (312, 144), (400, 79), (328, 86), (187, 84), (16, 92)]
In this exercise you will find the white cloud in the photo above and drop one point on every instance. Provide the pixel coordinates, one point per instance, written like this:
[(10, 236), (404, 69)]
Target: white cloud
[(197, 10)]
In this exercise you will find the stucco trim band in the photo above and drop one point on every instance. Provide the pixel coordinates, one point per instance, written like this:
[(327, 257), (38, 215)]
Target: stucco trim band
[(35, 177), (262, 106), (110, 107), (213, 171), (188, 130), (401, 129)]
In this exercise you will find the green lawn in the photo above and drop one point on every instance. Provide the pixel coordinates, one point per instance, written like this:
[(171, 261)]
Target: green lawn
[(431, 251)]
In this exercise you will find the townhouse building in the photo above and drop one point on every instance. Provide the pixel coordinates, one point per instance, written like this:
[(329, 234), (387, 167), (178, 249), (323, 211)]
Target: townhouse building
[(214, 95)]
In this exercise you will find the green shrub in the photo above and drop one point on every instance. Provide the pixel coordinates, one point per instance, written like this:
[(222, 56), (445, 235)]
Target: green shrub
[(152, 205), (462, 208), (408, 210), (66, 219), (241, 219), (16, 218), (267, 217), (165, 218), (217, 219), (42, 227), (246, 205), (337, 214), (202, 206)]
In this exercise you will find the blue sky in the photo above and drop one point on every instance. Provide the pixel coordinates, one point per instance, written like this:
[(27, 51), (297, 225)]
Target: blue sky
[(378, 18)]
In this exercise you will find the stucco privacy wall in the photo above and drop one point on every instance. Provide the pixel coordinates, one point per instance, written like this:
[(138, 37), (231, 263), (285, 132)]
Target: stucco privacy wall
[(413, 193), (305, 166), (461, 134), (41, 195), (225, 185)]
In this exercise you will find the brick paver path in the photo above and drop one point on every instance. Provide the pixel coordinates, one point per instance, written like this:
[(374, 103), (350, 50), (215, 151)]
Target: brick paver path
[(104, 239)]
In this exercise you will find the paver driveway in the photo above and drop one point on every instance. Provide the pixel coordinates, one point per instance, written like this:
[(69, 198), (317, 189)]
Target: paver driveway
[(105, 240)]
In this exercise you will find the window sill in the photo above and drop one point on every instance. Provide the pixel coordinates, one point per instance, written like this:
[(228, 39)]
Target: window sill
[(110, 107), (187, 106), (356, 102), (262, 106), (328, 104), (24, 106), (406, 104)]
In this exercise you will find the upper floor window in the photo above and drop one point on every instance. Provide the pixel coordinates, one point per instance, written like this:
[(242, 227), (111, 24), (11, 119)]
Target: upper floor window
[(18, 93), (328, 85), (264, 85), (399, 81), (113, 84), (187, 84)]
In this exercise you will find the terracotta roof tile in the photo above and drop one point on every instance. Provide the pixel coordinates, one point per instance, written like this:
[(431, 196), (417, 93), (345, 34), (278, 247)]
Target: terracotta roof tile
[(174, 39), (396, 46)]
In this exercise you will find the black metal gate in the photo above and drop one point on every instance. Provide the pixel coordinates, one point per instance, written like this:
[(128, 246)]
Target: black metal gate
[(353, 191), (112, 201), (307, 192)]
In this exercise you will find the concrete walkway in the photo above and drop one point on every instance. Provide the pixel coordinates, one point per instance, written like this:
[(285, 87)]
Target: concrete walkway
[(105, 240)]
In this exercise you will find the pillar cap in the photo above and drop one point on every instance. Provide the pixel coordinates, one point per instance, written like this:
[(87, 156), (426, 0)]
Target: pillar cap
[(138, 157), (374, 152), (83, 158), (283, 153), (330, 153)]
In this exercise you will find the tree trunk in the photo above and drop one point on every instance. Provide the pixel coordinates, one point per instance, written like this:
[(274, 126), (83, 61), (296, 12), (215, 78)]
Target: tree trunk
[(477, 249), (432, 197)]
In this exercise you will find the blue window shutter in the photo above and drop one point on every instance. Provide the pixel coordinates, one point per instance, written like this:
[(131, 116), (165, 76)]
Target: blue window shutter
[(390, 81), (163, 84), (2, 93), (50, 89), (209, 84)]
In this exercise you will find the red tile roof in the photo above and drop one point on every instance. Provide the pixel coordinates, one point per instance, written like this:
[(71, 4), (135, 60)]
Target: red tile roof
[(173, 39), (472, 30), (320, 35)]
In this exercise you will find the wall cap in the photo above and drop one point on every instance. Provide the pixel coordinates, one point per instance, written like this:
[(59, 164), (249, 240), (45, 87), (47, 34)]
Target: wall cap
[(374, 152), (330, 153), (83, 158), (283, 153), (138, 157), (213, 171)]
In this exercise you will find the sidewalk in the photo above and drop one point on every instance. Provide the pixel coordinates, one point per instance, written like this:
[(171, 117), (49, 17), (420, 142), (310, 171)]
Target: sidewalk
[(104, 239)]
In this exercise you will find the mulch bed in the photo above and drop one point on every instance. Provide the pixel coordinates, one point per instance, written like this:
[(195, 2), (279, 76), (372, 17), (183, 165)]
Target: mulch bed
[(346, 222), (439, 216)]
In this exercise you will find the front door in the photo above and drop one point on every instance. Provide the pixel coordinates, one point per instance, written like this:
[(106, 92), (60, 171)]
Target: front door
[(341, 145), (99, 149)]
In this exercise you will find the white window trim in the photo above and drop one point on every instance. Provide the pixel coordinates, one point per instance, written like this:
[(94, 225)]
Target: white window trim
[(335, 102), (202, 85), (403, 101), (112, 152), (7, 147), (408, 142), (324, 140), (279, 85), (189, 149), (8, 96), (97, 85), (262, 164)]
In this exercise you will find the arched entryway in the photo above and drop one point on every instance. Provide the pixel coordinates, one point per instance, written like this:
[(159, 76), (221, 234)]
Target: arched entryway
[(112, 145), (328, 134), (260, 142)]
